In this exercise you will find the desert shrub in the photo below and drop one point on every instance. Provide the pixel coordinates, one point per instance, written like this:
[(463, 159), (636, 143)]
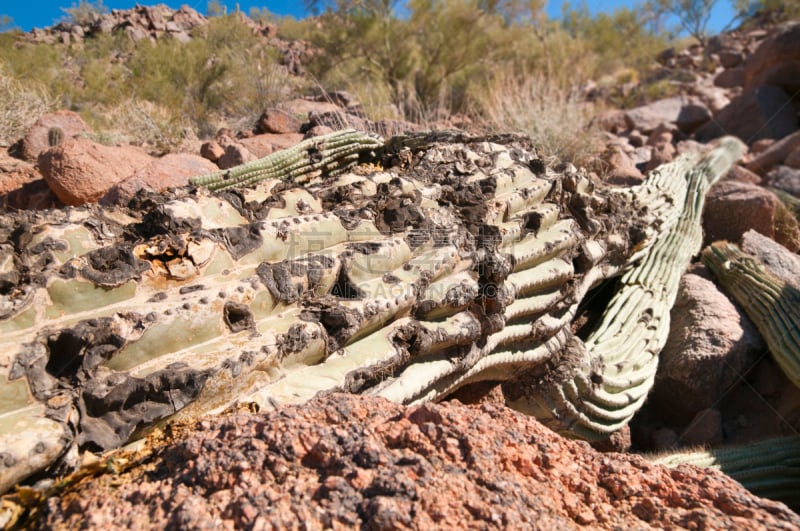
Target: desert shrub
[(21, 104), (431, 58), (225, 73), (39, 63), (85, 12), (139, 123)]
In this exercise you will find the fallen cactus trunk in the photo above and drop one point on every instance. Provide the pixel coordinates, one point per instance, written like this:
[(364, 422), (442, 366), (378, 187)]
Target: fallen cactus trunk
[(771, 303), (444, 260)]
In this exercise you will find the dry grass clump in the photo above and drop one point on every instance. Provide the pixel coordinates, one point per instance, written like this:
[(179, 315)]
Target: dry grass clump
[(552, 113), (139, 123), (21, 104)]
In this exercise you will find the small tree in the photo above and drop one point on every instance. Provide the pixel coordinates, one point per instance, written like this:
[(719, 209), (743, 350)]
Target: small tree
[(216, 8), (85, 12), (5, 22), (693, 15), (783, 9)]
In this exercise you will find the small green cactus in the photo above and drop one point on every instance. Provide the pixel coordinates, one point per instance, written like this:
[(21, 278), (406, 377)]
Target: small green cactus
[(55, 136), (332, 153)]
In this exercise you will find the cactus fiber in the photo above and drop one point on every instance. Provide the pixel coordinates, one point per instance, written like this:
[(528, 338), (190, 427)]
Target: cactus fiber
[(445, 259)]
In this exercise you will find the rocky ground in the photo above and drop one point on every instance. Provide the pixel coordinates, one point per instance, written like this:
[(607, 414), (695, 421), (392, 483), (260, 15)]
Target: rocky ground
[(345, 461)]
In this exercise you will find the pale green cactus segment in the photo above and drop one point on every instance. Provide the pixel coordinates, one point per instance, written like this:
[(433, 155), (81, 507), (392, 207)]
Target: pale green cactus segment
[(301, 384), (28, 443), (772, 304), (621, 355), (769, 468), (537, 248), (554, 272), (338, 150)]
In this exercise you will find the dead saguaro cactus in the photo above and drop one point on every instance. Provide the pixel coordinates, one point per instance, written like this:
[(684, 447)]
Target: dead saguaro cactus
[(442, 259)]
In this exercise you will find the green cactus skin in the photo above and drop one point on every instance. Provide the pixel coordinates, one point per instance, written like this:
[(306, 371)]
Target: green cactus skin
[(769, 468), (770, 302), (55, 136), (335, 151), (458, 264), (615, 368)]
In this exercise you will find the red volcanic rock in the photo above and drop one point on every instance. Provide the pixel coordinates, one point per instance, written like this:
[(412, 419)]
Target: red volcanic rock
[(686, 113), (345, 461), (733, 208), (170, 171), (235, 155), (764, 112), (81, 171), (742, 175), (263, 145), (776, 61), (36, 139), (711, 345), (212, 151), (277, 121), (774, 154), (621, 169), (33, 195), (15, 173), (793, 159)]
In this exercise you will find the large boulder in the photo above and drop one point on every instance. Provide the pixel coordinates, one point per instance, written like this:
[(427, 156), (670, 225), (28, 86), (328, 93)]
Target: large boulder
[(346, 462), (170, 171), (81, 171), (711, 345), (733, 208), (764, 112), (46, 131), (277, 121), (784, 178), (686, 113), (776, 61), (775, 257)]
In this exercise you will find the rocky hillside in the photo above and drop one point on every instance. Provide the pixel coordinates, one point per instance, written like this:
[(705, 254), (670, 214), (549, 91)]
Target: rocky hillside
[(726, 376)]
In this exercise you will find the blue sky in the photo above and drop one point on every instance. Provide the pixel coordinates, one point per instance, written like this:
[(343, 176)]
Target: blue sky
[(28, 14)]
